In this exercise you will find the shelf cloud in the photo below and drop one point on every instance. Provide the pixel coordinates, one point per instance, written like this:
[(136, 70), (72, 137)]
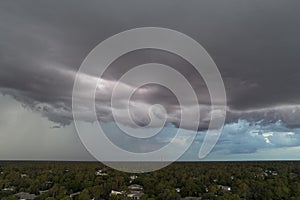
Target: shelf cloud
[(254, 44)]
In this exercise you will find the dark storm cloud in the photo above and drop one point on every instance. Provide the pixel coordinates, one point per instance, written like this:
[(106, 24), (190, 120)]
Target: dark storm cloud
[(255, 45)]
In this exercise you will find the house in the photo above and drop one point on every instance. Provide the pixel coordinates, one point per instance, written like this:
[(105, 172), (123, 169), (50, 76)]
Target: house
[(135, 187), (23, 175), (178, 190), (135, 194), (116, 193), (223, 187), (100, 173), (43, 191), (293, 175), (133, 177), (25, 195), (9, 189), (263, 174), (274, 173), (74, 194)]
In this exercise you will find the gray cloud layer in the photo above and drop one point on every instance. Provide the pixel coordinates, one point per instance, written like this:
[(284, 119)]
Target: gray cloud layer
[(255, 44)]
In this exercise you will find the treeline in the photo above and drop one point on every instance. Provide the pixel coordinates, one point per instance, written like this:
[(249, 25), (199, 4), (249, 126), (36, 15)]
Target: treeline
[(208, 180)]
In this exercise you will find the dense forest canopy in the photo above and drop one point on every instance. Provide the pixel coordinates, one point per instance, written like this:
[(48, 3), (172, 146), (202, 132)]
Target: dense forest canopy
[(202, 180)]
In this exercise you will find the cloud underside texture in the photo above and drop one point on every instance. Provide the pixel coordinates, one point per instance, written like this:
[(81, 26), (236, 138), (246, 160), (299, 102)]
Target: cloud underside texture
[(254, 44)]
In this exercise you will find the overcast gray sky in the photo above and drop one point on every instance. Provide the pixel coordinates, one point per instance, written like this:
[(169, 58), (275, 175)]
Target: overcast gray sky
[(255, 45)]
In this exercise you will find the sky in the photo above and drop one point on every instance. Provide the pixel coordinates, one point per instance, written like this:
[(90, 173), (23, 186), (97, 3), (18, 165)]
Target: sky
[(255, 45)]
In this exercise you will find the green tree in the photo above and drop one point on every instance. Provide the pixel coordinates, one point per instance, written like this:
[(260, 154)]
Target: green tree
[(84, 195), (10, 198)]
